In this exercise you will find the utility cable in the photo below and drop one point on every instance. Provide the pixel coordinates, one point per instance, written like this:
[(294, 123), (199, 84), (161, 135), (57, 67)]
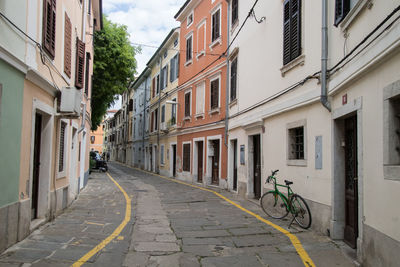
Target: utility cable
[(174, 49)]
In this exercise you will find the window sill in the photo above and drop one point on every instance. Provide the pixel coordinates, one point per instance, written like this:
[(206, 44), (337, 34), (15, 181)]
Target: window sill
[(214, 111), (187, 118), (351, 16), (233, 103), (234, 26), (299, 61), (217, 41), (187, 63), (391, 172), (199, 116), (200, 54), (297, 162)]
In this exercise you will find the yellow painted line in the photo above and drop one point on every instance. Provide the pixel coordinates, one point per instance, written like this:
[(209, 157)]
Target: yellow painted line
[(120, 237), (116, 232), (307, 261), (100, 224)]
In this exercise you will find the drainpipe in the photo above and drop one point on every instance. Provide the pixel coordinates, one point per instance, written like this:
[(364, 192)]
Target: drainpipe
[(324, 57), (144, 123), (227, 79)]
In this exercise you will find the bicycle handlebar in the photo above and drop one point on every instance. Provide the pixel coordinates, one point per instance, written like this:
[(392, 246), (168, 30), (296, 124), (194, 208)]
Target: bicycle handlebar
[(271, 176), (274, 172)]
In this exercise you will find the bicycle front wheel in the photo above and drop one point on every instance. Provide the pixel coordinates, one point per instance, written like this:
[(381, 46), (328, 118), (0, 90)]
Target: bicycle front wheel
[(274, 205), (301, 211)]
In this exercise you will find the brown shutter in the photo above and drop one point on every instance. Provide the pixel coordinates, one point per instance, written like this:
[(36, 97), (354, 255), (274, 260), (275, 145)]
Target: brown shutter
[(214, 94), (286, 32), (80, 63), (186, 157), (187, 104), (49, 26), (67, 46), (154, 88), (177, 65), (295, 28)]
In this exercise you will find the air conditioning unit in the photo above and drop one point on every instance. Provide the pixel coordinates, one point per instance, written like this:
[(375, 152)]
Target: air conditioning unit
[(70, 100)]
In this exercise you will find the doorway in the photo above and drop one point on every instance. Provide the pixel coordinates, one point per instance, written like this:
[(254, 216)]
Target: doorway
[(351, 181), (215, 162), (173, 160), (257, 166), (234, 165), (36, 166), (200, 170)]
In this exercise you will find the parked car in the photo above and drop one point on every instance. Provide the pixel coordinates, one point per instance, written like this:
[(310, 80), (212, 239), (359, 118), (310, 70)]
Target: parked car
[(97, 163)]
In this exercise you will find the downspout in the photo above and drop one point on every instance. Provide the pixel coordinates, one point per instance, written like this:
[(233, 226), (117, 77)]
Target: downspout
[(227, 80), (157, 160), (144, 121), (324, 57)]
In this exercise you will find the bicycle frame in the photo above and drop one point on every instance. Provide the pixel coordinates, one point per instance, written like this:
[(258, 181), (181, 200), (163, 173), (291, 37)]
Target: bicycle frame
[(284, 198)]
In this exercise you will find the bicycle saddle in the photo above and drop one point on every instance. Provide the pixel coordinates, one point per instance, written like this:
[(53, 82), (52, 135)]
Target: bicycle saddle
[(288, 182)]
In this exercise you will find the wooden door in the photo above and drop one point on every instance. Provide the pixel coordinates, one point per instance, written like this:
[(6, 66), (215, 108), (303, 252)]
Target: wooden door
[(351, 185), (215, 163), (200, 162), (36, 166), (174, 160), (235, 165), (257, 166)]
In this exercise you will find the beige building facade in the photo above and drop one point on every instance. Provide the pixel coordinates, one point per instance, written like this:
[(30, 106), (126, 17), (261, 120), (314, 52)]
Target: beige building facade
[(337, 145), (55, 117)]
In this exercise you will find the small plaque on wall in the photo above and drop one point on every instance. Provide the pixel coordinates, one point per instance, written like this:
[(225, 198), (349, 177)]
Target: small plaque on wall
[(242, 155)]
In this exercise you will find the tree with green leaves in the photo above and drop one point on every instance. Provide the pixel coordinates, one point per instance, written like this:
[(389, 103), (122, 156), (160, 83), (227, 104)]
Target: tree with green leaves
[(114, 67)]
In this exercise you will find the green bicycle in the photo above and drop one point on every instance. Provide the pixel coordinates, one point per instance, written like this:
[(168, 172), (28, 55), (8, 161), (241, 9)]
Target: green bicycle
[(277, 205)]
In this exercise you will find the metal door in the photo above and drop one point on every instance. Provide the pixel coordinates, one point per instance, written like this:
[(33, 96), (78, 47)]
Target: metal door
[(351, 186)]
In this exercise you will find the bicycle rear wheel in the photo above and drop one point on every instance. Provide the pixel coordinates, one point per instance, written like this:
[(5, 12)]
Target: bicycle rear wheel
[(274, 205), (301, 211)]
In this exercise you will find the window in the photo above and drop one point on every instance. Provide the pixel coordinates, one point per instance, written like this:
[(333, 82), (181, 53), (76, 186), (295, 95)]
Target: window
[(200, 98), (173, 112), (296, 142), (156, 119), (67, 46), (215, 33), (162, 155), (62, 146), (158, 83), (165, 53), (189, 48), (235, 11), (186, 158), (189, 19), (49, 27), (187, 104), (201, 39), (80, 59), (391, 131), (342, 7), (153, 86), (291, 30), (176, 42), (131, 105), (163, 114), (174, 68), (233, 79), (87, 74), (214, 94), (164, 77)]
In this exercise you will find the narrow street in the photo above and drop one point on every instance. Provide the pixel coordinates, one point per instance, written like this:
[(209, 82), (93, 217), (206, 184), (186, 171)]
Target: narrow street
[(171, 224)]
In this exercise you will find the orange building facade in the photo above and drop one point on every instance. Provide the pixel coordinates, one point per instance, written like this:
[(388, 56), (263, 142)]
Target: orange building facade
[(201, 149)]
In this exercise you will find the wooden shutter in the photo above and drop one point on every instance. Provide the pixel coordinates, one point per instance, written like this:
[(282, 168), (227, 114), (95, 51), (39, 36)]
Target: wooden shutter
[(234, 11), (171, 70), (80, 63), (186, 157), (189, 48), (291, 30), (214, 94), (233, 79), (154, 87), (49, 26), (177, 64), (342, 7), (87, 74), (67, 46), (217, 22), (152, 122), (187, 104), (295, 28), (166, 76)]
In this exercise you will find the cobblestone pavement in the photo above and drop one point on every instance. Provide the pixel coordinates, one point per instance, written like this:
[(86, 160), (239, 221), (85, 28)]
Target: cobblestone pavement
[(171, 225)]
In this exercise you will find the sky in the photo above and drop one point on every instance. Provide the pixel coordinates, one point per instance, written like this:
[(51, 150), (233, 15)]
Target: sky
[(148, 22)]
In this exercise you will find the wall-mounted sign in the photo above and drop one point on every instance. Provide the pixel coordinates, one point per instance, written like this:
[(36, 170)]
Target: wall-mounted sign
[(242, 155)]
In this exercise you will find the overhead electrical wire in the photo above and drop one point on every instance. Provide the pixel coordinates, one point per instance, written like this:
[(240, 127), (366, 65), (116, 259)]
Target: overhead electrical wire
[(174, 49)]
